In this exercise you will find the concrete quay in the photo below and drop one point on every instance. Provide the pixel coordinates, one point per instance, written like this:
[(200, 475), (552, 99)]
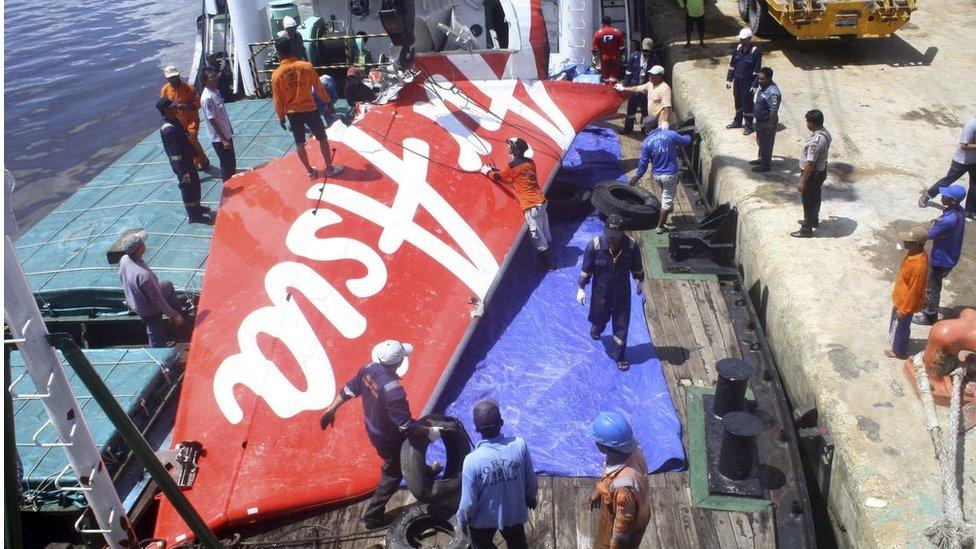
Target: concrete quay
[(895, 108)]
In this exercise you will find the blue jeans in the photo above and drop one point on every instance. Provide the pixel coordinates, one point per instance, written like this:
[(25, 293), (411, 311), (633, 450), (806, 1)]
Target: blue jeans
[(155, 328), (899, 329)]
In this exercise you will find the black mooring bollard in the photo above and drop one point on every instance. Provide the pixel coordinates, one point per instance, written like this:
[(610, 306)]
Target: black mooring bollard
[(738, 444), (730, 391)]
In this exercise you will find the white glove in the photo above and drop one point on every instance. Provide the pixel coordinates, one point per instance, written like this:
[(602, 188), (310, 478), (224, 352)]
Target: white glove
[(619, 87), (581, 296), (434, 433), (664, 125), (485, 169)]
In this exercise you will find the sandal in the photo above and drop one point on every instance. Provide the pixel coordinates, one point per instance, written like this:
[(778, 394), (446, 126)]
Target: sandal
[(313, 173), (623, 365)]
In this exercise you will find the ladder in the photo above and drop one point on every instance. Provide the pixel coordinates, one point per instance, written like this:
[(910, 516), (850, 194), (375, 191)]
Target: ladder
[(619, 12), (53, 390)]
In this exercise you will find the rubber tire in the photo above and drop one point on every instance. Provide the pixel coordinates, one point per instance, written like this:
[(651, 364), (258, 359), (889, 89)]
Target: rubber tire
[(413, 460), (634, 204), (744, 10), (418, 519), (761, 23), (569, 202), (640, 224)]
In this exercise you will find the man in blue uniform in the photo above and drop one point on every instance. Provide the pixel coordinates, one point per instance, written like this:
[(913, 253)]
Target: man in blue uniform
[(946, 235), (181, 152), (638, 72), (498, 484), (742, 78), (609, 260), (768, 100), (388, 420)]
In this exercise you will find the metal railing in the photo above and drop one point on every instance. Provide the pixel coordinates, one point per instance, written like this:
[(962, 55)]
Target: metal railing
[(262, 84)]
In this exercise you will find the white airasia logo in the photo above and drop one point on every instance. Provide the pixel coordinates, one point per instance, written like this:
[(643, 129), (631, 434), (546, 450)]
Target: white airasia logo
[(475, 266)]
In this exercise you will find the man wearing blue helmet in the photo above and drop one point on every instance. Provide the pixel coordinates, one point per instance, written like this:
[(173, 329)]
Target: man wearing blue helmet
[(622, 492), (946, 235)]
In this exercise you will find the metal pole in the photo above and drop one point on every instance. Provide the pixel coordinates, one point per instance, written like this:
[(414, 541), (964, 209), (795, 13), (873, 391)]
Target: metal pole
[(13, 536), (132, 437)]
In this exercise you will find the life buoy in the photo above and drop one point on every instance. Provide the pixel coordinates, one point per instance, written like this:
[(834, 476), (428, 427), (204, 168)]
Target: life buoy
[(413, 460)]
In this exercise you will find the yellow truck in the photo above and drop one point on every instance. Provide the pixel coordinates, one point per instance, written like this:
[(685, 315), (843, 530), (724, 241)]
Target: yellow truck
[(812, 19)]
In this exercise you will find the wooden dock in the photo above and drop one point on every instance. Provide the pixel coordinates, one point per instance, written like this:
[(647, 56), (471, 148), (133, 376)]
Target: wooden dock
[(691, 329)]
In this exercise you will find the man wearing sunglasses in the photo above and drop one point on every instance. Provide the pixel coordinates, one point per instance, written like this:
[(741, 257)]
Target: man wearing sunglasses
[(638, 72)]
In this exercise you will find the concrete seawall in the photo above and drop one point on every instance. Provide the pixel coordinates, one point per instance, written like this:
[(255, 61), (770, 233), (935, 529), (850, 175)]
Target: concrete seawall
[(895, 108)]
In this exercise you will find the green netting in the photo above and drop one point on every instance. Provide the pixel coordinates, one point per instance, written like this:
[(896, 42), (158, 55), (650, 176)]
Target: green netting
[(64, 254), (139, 378)]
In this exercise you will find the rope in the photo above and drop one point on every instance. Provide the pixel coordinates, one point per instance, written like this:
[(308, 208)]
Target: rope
[(951, 529)]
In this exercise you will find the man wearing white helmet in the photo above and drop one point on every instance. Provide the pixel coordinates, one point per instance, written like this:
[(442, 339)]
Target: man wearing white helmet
[(291, 31), (742, 78), (387, 416)]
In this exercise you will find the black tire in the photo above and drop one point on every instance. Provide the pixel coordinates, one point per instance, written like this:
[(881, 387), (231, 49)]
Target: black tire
[(744, 10), (633, 203), (413, 460), (761, 23), (406, 531), (640, 224), (568, 202)]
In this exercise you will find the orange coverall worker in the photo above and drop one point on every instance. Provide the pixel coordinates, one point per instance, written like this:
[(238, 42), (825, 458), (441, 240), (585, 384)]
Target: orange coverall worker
[(188, 102), (520, 174), (625, 510), (609, 41)]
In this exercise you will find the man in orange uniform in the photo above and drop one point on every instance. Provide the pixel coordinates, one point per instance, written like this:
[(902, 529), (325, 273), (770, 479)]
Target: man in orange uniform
[(622, 493), (291, 88), (909, 294), (184, 96), (609, 43), (520, 174)]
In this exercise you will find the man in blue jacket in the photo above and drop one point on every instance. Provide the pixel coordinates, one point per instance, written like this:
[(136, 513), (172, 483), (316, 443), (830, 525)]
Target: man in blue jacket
[(946, 235), (498, 484), (638, 66), (388, 420), (610, 260), (742, 78), (180, 153), (660, 150)]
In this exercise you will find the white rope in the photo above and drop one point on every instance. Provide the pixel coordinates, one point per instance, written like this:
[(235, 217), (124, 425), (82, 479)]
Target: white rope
[(113, 269), (951, 530)]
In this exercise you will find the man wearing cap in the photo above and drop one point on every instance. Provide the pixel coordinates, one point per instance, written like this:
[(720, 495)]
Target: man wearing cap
[(610, 259), (660, 151), (184, 97), (291, 91), (498, 484), (521, 176), (813, 173), (766, 109), (178, 149), (622, 493), (694, 17), (946, 235), (638, 72), (145, 295), (658, 97), (608, 44), (909, 293), (742, 78), (291, 32), (387, 416), (963, 161), (218, 124)]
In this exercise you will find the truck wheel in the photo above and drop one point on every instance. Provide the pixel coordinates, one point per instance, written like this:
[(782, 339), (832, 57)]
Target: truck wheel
[(415, 528), (761, 23), (744, 10), (634, 204), (413, 460)]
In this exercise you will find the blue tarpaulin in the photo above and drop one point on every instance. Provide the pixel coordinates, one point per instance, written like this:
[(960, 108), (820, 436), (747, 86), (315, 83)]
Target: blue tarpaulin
[(532, 351)]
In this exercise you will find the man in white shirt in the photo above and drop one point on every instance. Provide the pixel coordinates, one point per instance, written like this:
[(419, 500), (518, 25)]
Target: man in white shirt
[(218, 124)]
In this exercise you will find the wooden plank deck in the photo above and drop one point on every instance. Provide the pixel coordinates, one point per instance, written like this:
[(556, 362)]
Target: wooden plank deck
[(692, 330)]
